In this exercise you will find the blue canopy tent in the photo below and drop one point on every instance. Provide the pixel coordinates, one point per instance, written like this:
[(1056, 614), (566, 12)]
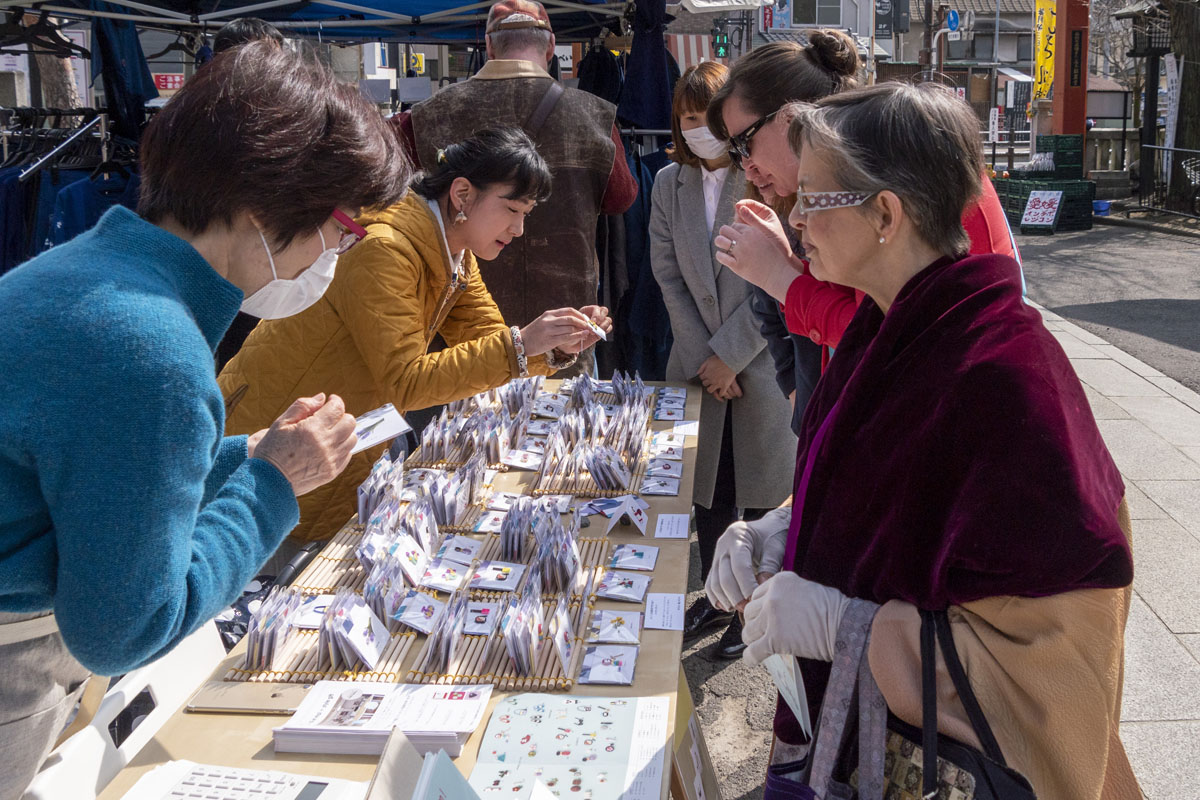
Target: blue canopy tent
[(411, 21)]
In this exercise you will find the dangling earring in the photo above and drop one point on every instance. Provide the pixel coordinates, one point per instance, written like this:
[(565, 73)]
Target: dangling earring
[(882, 240), (461, 218)]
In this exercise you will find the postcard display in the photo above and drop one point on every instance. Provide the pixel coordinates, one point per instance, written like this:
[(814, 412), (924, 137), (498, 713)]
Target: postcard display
[(450, 581)]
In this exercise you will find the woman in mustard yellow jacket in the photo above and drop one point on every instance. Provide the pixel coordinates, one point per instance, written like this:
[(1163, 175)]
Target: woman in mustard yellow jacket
[(412, 277)]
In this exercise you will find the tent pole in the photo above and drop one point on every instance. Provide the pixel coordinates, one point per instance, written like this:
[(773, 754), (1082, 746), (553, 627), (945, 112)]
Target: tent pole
[(364, 10), (242, 11)]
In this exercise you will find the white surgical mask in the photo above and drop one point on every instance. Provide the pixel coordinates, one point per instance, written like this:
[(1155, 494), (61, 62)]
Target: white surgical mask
[(702, 142), (284, 298)]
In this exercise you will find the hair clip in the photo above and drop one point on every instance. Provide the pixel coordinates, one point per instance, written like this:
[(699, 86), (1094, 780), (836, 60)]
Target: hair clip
[(441, 156)]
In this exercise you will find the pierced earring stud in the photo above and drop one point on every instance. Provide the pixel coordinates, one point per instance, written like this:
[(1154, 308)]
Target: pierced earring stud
[(882, 240)]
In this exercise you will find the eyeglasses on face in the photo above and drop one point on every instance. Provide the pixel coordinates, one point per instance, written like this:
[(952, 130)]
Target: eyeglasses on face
[(808, 202), (352, 232), (739, 145)]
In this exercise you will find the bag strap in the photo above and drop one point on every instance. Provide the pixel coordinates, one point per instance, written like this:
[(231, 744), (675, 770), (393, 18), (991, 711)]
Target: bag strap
[(965, 693), (929, 769), (544, 108)]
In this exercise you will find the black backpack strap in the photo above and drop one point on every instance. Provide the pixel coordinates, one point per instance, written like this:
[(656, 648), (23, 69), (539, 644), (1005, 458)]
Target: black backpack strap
[(544, 108), (929, 769), (965, 693)]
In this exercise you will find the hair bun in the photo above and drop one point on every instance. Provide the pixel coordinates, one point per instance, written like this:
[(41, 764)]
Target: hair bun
[(834, 51)]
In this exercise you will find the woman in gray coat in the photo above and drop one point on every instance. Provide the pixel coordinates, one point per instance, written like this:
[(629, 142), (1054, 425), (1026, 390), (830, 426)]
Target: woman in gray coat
[(747, 448)]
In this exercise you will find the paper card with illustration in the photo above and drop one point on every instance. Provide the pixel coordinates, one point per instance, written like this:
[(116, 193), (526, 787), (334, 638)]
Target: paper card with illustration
[(669, 438), (378, 426), (412, 557), (785, 671), (562, 502), (664, 468), (596, 329), (634, 556), (614, 627), (460, 549), (308, 615), (671, 402), (668, 487), (631, 508), (502, 501), (669, 452), (612, 664), (490, 522), (481, 618), (534, 444), (420, 611), (523, 459), (541, 427), (672, 391), (668, 414), (497, 576), (444, 575), (365, 633), (564, 636), (628, 586)]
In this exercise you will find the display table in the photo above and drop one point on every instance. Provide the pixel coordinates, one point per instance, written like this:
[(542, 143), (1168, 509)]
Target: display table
[(244, 740)]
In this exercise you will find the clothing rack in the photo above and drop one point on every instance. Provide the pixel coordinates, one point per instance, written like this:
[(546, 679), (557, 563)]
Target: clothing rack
[(647, 139), (46, 158)]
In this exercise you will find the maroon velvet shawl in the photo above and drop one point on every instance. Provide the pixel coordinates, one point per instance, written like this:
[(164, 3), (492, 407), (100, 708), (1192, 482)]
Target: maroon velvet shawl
[(963, 460)]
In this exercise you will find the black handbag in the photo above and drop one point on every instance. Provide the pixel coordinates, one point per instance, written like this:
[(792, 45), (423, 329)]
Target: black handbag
[(884, 757)]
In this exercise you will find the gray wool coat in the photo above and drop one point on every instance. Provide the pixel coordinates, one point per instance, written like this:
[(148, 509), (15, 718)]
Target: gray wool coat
[(710, 310)]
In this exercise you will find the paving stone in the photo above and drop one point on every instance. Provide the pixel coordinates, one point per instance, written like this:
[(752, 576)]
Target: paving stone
[(1141, 506), (1180, 499), (1114, 380), (1178, 391), (1046, 313), (1126, 360), (1166, 560), (1192, 642), (1075, 348), (1169, 418), (1141, 454), (1191, 452), (1162, 679), (1165, 757), (1102, 407), (1087, 337)]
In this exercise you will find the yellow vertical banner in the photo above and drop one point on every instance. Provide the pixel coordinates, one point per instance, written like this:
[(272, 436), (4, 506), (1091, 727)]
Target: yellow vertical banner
[(1045, 14)]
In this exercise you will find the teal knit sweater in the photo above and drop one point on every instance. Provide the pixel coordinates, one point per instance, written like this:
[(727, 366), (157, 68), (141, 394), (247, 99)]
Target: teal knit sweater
[(122, 505)]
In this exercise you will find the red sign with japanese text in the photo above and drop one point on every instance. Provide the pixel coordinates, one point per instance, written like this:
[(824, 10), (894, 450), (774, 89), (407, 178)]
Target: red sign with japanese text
[(1042, 209), (168, 81)]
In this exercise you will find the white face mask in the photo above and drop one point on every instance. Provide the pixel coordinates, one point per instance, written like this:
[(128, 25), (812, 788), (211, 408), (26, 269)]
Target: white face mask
[(283, 298), (702, 142)]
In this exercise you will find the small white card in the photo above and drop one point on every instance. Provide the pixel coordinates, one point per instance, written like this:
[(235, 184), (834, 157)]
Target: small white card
[(596, 329), (366, 634), (664, 611), (689, 428), (670, 452), (668, 487), (641, 557), (562, 502), (628, 586), (497, 576), (671, 402), (502, 501), (664, 468), (668, 414), (672, 438), (490, 522), (420, 611), (481, 618), (609, 663), (541, 427), (614, 627), (785, 671), (672, 391), (308, 615), (378, 426), (523, 459), (672, 526), (632, 508), (444, 575), (459, 549)]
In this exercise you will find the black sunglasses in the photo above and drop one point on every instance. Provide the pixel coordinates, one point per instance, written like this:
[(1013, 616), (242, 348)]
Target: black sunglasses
[(739, 146)]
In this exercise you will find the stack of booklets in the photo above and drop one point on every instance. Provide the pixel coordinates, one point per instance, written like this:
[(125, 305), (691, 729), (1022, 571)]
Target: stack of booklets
[(356, 718)]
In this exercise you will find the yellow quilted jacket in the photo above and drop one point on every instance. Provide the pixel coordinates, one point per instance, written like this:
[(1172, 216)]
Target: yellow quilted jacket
[(367, 340)]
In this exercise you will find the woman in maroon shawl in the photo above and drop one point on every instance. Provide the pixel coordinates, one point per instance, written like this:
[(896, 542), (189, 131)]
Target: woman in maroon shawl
[(948, 459)]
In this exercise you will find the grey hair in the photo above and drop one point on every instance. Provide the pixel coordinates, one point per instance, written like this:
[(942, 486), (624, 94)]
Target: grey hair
[(519, 39), (919, 142)]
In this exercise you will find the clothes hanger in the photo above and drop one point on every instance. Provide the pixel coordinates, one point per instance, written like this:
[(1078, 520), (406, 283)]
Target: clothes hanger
[(176, 46), (41, 38)]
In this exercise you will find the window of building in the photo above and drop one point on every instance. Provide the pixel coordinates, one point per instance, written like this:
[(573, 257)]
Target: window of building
[(983, 47), (816, 12), (1025, 47)]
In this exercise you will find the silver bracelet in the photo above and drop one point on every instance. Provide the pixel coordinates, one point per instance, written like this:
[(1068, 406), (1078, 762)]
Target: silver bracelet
[(519, 346)]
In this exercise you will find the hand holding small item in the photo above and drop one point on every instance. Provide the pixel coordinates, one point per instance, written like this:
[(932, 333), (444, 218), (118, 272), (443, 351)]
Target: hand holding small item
[(747, 554), (755, 246), (310, 443), (792, 616)]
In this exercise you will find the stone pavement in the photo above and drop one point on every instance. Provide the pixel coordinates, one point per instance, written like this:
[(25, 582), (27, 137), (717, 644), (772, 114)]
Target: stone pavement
[(1151, 424)]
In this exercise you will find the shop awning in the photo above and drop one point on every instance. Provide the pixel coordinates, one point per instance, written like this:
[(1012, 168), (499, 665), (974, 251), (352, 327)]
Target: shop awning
[(1015, 74)]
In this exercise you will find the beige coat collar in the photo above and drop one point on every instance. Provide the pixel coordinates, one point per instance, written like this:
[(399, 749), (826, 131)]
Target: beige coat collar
[(502, 68)]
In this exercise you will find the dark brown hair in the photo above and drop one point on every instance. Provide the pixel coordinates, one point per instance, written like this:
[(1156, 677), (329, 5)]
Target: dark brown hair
[(767, 78), (693, 92), (491, 156), (920, 142), (267, 130)]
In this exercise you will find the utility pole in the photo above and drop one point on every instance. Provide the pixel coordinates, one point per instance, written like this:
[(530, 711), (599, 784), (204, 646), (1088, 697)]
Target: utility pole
[(926, 57)]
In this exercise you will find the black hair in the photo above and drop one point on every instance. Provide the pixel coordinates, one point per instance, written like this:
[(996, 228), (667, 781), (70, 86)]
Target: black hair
[(245, 29), (490, 156)]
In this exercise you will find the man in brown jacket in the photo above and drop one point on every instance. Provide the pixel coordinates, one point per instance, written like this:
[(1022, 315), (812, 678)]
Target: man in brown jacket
[(555, 263)]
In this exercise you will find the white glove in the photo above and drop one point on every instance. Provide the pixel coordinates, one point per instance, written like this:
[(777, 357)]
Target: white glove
[(743, 551), (792, 616)]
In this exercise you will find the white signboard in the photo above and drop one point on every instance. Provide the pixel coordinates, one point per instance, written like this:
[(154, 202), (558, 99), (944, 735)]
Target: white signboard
[(993, 124), (1174, 73), (566, 57), (1042, 209)]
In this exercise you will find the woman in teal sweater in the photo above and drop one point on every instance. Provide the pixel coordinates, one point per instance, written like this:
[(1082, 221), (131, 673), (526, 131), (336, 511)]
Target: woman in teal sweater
[(123, 509)]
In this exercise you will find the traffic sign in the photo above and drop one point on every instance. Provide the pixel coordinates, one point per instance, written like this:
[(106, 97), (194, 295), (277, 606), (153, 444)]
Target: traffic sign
[(952, 19)]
